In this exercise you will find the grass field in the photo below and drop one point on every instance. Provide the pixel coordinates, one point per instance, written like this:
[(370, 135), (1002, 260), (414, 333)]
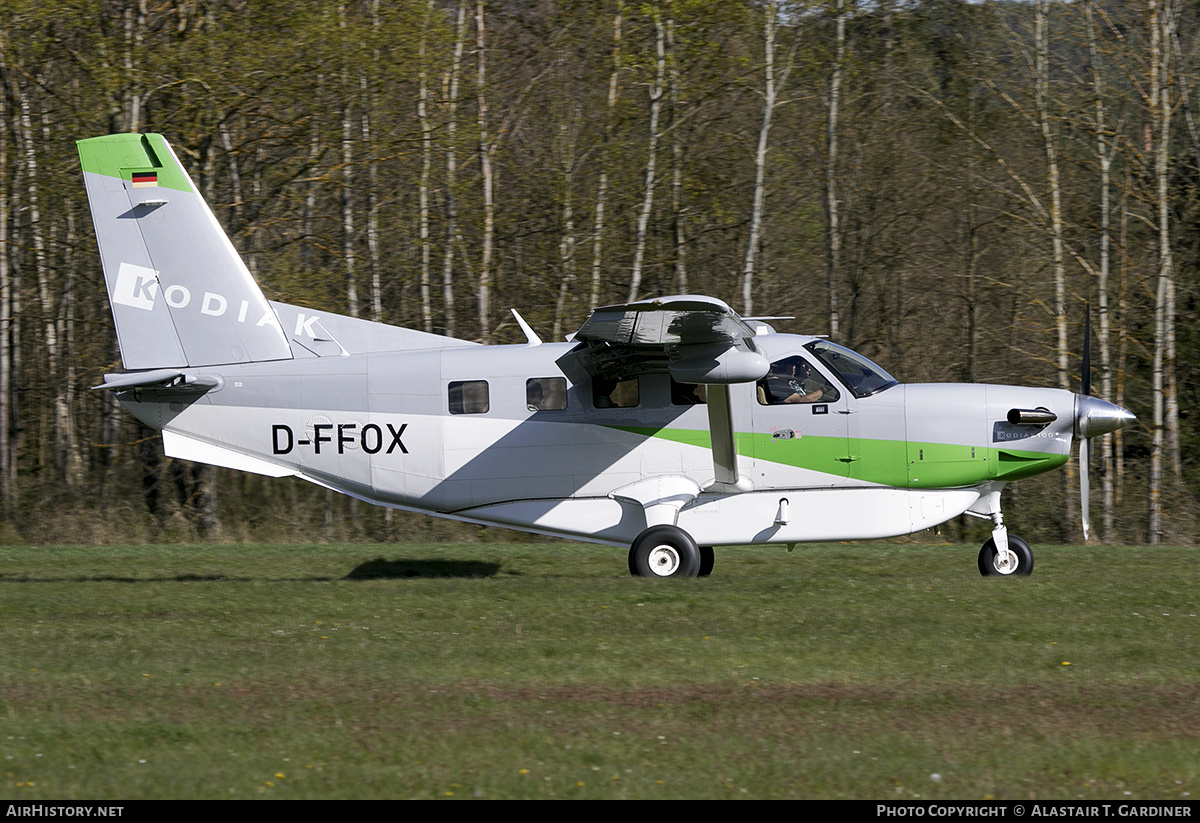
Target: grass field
[(879, 671)]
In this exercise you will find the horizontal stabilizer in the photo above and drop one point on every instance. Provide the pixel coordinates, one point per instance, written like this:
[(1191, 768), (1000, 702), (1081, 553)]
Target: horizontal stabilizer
[(172, 379)]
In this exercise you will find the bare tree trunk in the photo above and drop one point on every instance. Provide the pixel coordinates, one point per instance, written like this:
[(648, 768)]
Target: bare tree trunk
[(1162, 20), (1104, 153), (460, 32), (485, 169), (135, 22), (8, 483), (833, 260), (367, 88), (678, 208), (602, 187), (426, 171), (204, 499), (310, 194), (372, 204), (66, 334), (348, 260), (656, 94), (16, 411), (770, 98), (63, 446), (1122, 335), (1049, 146), (971, 372), (566, 244)]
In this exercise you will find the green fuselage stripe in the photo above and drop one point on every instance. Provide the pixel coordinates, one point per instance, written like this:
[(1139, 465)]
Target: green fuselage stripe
[(886, 462)]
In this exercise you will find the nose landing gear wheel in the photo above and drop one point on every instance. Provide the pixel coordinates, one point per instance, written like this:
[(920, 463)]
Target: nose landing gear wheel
[(1016, 562), (664, 551)]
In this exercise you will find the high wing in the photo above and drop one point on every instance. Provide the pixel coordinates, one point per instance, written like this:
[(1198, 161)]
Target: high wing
[(695, 339)]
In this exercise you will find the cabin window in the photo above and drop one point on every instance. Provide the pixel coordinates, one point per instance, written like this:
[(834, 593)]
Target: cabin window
[(468, 397), (613, 394), (545, 394), (794, 380), (687, 394)]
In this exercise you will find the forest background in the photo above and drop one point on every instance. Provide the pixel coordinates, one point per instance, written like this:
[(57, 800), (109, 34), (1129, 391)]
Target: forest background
[(942, 185)]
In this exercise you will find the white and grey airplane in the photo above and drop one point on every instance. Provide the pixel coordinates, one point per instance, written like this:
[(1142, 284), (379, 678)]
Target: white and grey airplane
[(670, 426)]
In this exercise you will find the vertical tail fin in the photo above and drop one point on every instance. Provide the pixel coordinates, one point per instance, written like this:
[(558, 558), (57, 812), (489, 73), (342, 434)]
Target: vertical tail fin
[(180, 294)]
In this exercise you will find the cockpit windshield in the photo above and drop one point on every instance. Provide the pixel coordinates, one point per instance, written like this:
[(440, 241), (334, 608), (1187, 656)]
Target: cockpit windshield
[(860, 375)]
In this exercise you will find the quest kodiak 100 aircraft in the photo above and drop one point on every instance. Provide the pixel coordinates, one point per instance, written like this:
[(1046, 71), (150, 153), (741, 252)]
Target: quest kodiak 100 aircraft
[(670, 426)]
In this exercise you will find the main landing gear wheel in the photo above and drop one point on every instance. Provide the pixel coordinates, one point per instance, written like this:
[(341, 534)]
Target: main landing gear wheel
[(664, 551), (707, 558), (1017, 561)]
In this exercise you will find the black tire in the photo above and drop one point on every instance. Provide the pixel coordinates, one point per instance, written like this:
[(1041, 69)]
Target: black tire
[(664, 551), (1024, 556), (707, 558)]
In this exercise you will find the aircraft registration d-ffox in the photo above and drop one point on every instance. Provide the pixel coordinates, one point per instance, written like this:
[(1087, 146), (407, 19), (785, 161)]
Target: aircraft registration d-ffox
[(670, 426)]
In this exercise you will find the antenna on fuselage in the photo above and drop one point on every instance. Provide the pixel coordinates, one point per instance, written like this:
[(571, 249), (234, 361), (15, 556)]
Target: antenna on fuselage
[(531, 337)]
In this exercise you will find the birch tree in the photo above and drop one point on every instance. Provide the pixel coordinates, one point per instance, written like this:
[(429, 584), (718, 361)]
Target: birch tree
[(833, 228), (485, 172), (771, 89), (614, 77), (1105, 153), (424, 181), (451, 197), (649, 178), (1162, 16)]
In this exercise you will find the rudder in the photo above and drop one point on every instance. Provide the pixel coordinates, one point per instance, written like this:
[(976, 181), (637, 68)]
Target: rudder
[(180, 293)]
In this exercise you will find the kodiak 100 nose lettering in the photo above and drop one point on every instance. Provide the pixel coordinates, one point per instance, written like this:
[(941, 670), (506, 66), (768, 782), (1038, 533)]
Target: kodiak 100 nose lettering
[(343, 436)]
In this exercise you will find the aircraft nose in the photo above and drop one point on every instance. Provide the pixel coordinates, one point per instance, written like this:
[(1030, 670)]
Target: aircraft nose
[(1094, 417)]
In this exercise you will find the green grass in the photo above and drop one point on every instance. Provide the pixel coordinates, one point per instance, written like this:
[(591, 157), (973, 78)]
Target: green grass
[(881, 671)]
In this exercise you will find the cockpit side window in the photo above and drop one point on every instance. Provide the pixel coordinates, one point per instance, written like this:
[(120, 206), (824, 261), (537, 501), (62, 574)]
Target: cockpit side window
[(860, 375), (794, 380)]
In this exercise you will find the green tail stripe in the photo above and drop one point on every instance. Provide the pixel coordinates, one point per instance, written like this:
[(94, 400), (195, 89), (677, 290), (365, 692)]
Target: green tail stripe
[(120, 155)]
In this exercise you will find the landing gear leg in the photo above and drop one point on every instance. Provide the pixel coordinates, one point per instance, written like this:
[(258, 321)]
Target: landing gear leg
[(1003, 554)]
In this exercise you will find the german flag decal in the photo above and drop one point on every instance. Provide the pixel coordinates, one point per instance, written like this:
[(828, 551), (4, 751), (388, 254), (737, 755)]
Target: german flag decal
[(142, 179)]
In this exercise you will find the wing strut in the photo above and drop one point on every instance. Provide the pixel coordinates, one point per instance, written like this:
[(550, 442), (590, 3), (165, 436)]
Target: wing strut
[(724, 445)]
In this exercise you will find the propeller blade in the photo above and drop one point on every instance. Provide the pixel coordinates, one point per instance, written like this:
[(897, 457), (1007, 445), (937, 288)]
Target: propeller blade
[(1085, 379), (1085, 447)]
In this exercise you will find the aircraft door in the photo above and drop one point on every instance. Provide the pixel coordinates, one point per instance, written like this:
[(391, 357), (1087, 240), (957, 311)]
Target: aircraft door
[(802, 427)]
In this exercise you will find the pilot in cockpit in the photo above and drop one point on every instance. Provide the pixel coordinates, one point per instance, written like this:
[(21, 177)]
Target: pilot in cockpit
[(792, 380)]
